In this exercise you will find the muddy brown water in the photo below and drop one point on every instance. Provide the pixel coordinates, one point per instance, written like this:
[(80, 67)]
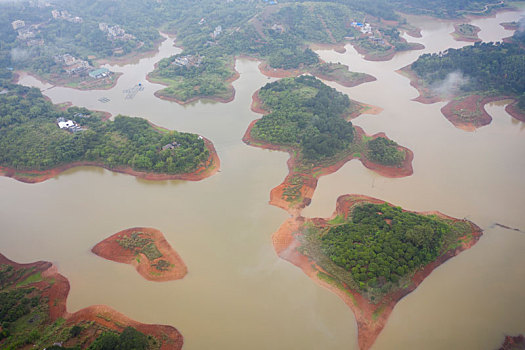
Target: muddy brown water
[(238, 294)]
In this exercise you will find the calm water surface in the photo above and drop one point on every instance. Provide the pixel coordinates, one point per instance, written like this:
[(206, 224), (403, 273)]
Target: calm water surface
[(238, 293)]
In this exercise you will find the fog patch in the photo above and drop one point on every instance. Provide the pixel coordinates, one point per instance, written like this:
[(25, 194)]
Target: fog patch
[(451, 85), (18, 54)]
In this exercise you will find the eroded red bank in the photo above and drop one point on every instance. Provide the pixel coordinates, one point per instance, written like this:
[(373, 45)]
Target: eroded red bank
[(55, 288), (174, 268), (370, 317), (210, 167)]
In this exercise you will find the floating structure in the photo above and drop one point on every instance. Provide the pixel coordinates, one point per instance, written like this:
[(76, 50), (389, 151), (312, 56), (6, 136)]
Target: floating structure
[(104, 99), (132, 92)]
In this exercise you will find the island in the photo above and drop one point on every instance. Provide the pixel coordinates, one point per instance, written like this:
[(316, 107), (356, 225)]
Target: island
[(75, 136), (513, 343), (372, 254), (33, 314), (147, 250), (310, 121), (471, 77), (67, 43), (466, 32)]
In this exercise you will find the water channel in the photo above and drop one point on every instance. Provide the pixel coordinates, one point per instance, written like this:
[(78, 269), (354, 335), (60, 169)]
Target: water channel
[(238, 293)]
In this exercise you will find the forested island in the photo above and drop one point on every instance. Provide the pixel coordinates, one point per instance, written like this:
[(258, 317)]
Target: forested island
[(470, 77), (372, 254), (64, 42), (33, 315), (147, 250), (310, 120), (466, 32), (76, 136)]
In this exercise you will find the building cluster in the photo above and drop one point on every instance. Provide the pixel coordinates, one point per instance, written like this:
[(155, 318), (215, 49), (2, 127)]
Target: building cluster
[(115, 32), (100, 73), (68, 125), (26, 33), (66, 16), (73, 65), (216, 32), (364, 28), (188, 61), (170, 146)]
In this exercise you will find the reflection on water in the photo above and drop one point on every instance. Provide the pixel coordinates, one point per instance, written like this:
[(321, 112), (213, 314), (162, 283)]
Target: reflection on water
[(238, 294)]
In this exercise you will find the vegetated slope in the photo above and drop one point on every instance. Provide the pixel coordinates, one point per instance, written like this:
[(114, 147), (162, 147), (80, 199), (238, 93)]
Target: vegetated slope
[(30, 138)]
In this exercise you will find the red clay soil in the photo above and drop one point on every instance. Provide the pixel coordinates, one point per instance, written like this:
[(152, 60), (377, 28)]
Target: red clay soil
[(339, 48), (458, 36), (513, 343), (471, 105), (370, 317), (469, 112), (210, 167), (110, 249), (55, 288), (515, 111), (310, 178)]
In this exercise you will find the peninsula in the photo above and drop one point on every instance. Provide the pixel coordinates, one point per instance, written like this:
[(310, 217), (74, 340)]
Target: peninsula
[(372, 253), (33, 313), (471, 77), (77, 137), (147, 250), (310, 121)]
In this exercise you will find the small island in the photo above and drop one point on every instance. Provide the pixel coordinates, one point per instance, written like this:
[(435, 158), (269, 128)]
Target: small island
[(513, 343), (466, 32), (71, 137), (147, 250), (310, 121), (33, 314), (372, 254), (471, 77)]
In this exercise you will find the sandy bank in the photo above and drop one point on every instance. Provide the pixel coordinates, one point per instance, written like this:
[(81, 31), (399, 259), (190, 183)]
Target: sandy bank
[(370, 317), (55, 288), (211, 166), (110, 249)]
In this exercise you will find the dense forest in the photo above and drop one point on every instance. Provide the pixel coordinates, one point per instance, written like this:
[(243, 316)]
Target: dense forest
[(217, 30), (24, 320), (379, 244), (309, 116), (497, 68), (306, 114), (31, 140)]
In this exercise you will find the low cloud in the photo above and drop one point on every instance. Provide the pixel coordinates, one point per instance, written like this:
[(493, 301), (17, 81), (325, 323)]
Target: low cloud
[(451, 85), (18, 54)]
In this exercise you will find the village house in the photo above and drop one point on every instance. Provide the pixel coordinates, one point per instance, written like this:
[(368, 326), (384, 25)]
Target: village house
[(115, 32), (216, 32), (66, 16), (18, 24), (99, 73), (68, 125), (169, 146), (188, 61)]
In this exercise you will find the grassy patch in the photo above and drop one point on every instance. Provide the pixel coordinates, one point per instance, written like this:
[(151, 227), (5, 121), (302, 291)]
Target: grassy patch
[(36, 277)]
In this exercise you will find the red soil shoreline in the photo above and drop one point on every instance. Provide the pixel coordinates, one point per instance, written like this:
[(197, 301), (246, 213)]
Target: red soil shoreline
[(513, 343), (310, 179), (110, 249), (471, 104), (35, 176), (105, 316), (371, 318)]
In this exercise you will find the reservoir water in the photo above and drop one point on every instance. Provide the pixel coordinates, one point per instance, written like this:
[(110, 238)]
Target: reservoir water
[(238, 294)]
